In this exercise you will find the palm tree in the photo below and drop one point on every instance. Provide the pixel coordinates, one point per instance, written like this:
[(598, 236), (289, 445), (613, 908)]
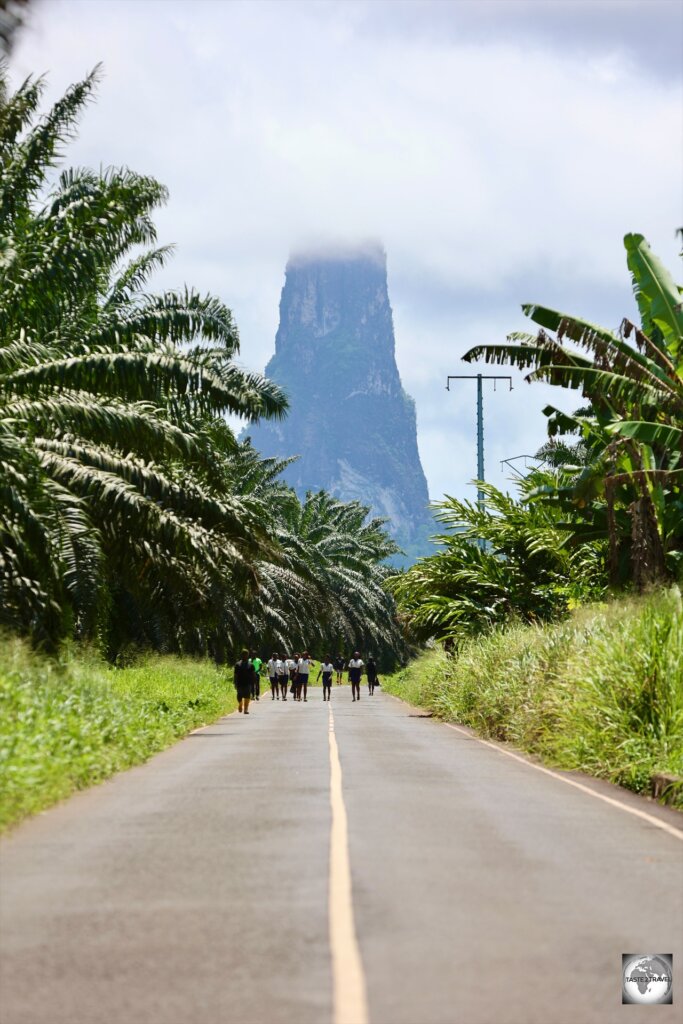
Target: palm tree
[(108, 398), (324, 584), (525, 569), (343, 553), (128, 511)]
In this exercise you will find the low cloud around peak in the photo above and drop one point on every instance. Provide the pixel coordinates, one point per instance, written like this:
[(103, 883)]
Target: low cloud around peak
[(337, 250)]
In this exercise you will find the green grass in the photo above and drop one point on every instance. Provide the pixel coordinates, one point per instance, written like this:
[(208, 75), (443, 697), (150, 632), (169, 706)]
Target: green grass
[(69, 724), (601, 692)]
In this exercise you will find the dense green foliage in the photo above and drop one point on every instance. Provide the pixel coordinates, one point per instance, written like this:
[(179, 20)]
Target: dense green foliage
[(70, 723), (601, 691), (503, 559), (129, 514), (530, 660), (628, 487), (132, 519), (325, 589), (604, 510)]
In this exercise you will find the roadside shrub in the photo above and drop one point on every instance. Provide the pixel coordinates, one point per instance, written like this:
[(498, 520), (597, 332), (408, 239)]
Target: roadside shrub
[(69, 724), (601, 691)]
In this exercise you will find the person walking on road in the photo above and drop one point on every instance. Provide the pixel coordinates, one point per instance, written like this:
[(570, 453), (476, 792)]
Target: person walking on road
[(302, 672), (326, 670), (371, 673), (355, 672), (292, 663), (339, 666), (256, 686), (244, 680), (282, 676), (272, 676)]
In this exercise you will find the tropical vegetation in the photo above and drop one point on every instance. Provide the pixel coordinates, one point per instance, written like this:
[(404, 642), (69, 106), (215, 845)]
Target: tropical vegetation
[(600, 691), (134, 522), (603, 509), (72, 721), (503, 558), (630, 489), (130, 515)]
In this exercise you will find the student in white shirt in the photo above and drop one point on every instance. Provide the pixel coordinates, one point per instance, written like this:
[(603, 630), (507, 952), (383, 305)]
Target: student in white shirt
[(326, 670), (282, 676), (272, 675), (355, 668), (302, 672)]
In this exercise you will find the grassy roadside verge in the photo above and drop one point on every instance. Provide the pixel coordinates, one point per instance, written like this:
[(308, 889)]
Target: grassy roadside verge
[(68, 725), (601, 692)]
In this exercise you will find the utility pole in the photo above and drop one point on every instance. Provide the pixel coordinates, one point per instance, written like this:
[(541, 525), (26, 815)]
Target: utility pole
[(479, 377)]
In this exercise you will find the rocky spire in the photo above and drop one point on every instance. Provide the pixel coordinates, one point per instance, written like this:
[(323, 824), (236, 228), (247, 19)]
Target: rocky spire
[(350, 420)]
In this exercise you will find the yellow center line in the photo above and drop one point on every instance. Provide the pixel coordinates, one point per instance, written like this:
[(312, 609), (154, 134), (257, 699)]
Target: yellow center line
[(348, 978)]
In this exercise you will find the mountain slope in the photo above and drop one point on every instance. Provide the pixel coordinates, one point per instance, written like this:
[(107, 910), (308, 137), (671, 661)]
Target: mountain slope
[(351, 422)]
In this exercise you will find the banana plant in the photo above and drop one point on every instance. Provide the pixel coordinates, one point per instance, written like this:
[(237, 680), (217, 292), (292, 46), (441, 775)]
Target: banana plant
[(633, 380)]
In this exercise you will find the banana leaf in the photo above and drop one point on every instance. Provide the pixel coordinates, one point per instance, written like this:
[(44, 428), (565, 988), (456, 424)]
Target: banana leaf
[(663, 434), (658, 296)]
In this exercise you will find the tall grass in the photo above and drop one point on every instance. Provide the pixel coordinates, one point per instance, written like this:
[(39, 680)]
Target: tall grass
[(68, 724), (601, 692)]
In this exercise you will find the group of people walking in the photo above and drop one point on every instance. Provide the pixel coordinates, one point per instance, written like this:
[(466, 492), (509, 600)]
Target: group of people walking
[(290, 675)]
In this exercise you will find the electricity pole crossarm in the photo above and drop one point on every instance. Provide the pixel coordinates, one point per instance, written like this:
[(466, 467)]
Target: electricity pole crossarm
[(527, 460), (479, 377)]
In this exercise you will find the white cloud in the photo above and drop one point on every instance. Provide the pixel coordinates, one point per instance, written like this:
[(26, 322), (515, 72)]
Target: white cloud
[(499, 160)]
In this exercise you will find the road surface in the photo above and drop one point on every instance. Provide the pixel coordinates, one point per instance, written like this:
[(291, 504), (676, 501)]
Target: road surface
[(364, 866)]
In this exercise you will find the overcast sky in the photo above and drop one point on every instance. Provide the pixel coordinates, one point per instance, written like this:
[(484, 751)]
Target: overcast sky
[(500, 150)]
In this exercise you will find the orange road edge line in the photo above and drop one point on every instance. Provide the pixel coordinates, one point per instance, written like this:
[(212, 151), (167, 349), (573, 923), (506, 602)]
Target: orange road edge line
[(348, 977)]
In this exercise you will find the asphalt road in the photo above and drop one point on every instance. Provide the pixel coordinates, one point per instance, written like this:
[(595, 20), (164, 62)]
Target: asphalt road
[(196, 889)]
